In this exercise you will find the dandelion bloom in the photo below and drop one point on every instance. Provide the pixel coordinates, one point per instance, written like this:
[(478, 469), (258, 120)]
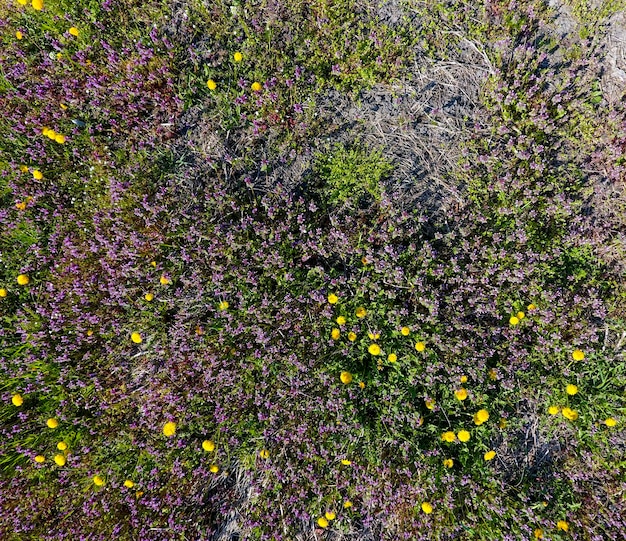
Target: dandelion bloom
[(237, 57), (148, 296), (448, 436), (3, 292), (531, 307), (569, 414), (98, 480), (128, 483), (224, 305), (169, 428), (22, 2), (346, 462), (322, 522), (37, 175), (211, 84), (333, 299), (40, 458), (59, 460), (17, 400), (571, 389), (37, 5), (345, 377), (521, 315), (164, 280), (59, 138), (51, 134), (463, 435), (610, 422), (554, 410), (214, 468), (330, 515), (18, 35), (538, 533), (420, 346), (347, 504), (463, 379), (430, 403), (392, 357), (489, 455), (362, 384), (351, 336), (61, 446), (562, 525), (461, 394), (256, 86), (448, 462), (578, 355), (341, 320), (264, 453), (374, 349), (405, 331), (373, 335), (208, 445), (481, 416), (136, 337), (335, 334), (427, 508), (361, 312), (74, 31), (23, 279), (514, 320)]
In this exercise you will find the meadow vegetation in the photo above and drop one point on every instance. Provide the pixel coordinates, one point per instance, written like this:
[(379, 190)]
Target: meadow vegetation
[(191, 349)]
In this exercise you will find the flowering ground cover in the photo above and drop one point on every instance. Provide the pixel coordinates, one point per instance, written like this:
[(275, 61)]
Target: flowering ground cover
[(338, 269)]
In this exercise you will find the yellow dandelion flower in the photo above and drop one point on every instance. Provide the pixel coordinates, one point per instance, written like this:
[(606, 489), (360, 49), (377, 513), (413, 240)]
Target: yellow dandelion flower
[(51, 134), (37, 175), (463, 435), (346, 462), (513, 320), (136, 338), (148, 296), (3, 292), (448, 436), (345, 377), (489, 455), (37, 5), (578, 355), (333, 299), (40, 459), (23, 279), (571, 389), (362, 384), (554, 410), (430, 403), (237, 57), (330, 515), (153, 263), (264, 453), (22, 2), (18, 35), (427, 508), (208, 446), (538, 533), (610, 422), (373, 336), (361, 312), (461, 393), (169, 429), (351, 336), (405, 331), (90, 332), (21, 205), (214, 468), (335, 334), (481, 416), (392, 357), (164, 280), (128, 483), (211, 84), (562, 525), (59, 138), (347, 504), (59, 460), (98, 480), (199, 330), (374, 349), (448, 462), (74, 31), (463, 379), (531, 307), (17, 400), (420, 346), (63, 106), (521, 315), (322, 522), (62, 446), (569, 414), (256, 86), (341, 320)]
